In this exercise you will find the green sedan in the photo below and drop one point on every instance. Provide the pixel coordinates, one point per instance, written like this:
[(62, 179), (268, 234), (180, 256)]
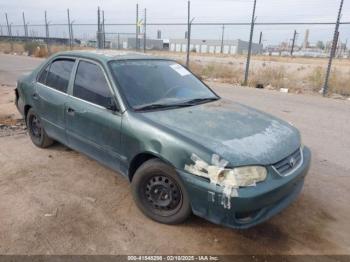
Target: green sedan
[(184, 149)]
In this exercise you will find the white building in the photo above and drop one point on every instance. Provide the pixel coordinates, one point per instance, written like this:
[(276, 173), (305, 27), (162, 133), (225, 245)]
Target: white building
[(214, 46)]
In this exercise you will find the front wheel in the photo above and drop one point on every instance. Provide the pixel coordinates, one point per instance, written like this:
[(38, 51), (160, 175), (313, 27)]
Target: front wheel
[(36, 130), (160, 194)]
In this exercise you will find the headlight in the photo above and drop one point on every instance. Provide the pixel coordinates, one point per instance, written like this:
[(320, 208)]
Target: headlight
[(242, 176), (218, 174)]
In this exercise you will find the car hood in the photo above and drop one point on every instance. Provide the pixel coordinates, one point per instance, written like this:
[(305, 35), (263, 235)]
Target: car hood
[(237, 133)]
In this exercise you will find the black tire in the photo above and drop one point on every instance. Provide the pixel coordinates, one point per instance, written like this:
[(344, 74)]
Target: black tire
[(36, 130), (160, 194)]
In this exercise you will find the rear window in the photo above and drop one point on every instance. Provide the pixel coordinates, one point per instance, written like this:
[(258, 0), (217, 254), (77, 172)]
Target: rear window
[(58, 74)]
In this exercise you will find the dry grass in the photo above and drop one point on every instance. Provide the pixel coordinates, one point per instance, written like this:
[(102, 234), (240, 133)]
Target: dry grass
[(8, 47), (339, 81), (276, 77), (316, 78), (273, 76), (224, 73), (35, 49)]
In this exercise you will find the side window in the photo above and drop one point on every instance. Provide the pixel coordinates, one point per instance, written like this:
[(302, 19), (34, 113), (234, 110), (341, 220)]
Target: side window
[(43, 75), (90, 84), (59, 74)]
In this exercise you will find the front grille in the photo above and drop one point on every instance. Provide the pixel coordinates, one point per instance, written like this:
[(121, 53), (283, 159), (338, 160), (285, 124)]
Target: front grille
[(289, 164)]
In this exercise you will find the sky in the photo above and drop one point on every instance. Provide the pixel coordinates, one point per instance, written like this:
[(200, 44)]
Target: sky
[(175, 11)]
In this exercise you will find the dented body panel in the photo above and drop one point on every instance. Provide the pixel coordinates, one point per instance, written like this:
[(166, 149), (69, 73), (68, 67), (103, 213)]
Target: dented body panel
[(239, 134), (253, 205), (221, 134)]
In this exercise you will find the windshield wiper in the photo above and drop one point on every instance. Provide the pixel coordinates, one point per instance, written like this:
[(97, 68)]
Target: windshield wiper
[(174, 105), (199, 100), (157, 106)]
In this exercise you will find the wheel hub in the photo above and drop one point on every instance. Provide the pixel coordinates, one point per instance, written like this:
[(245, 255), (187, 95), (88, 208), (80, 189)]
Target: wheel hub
[(36, 126), (162, 193)]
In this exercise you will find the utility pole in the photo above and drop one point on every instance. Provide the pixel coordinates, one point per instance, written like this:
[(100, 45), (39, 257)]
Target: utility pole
[(137, 27), (293, 42), (222, 39), (334, 46), (250, 45), (69, 30), (47, 34), (144, 31)]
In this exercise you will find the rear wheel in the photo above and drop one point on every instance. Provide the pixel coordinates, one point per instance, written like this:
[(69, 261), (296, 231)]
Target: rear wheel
[(36, 130), (159, 193)]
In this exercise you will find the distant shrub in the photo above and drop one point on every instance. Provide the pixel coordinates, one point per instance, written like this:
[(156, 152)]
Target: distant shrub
[(35, 49), (275, 76), (316, 78)]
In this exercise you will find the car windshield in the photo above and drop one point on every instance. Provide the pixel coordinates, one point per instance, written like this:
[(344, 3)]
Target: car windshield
[(150, 84)]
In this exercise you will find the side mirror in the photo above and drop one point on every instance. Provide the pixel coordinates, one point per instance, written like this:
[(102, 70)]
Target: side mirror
[(111, 105)]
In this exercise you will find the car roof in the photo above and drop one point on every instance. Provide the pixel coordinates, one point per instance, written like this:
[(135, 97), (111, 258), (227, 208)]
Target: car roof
[(109, 55)]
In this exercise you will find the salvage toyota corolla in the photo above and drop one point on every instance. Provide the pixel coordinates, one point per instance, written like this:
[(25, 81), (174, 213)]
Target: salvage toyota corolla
[(183, 148)]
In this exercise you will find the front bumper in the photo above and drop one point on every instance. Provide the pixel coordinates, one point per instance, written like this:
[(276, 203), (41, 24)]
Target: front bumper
[(253, 205)]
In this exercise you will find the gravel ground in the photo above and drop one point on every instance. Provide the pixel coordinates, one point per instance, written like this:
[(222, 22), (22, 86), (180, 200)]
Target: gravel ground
[(58, 201)]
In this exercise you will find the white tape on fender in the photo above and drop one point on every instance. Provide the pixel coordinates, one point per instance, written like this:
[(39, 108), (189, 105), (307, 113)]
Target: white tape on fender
[(180, 69)]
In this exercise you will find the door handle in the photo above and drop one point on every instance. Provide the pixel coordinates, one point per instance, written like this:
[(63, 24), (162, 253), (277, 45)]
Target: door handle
[(70, 111)]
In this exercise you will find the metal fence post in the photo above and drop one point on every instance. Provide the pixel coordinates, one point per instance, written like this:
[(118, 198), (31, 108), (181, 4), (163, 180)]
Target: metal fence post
[(334, 46), (9, 31), (118, 40), (222, 39), (260, 38), (293, 42), (144, 31), (47, 34), (188, 33), (250, 46), (24, 25), (8, 26), (103, 30), (98, 35), (137, 27), (69, 31)]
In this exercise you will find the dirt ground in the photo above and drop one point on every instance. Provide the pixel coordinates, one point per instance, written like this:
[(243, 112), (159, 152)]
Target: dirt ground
[(58, 201)]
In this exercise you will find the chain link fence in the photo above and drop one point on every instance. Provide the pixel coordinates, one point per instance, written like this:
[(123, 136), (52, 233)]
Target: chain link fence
[(284, 55)]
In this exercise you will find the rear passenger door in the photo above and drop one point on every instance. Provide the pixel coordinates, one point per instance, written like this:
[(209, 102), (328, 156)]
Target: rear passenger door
[(93, 126), (51, 96)]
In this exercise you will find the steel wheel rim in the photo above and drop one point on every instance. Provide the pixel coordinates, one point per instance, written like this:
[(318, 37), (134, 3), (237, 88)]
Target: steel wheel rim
[(35, 126), (162, 195)]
